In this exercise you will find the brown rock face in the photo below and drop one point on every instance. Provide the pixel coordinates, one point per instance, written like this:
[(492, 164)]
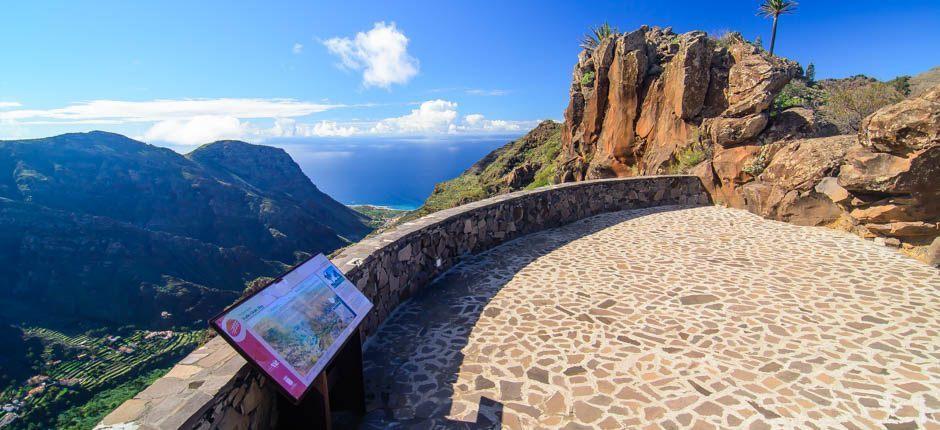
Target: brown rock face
[(897, 158), (655, 92), (905, 127), (786, 189), (642, 99)]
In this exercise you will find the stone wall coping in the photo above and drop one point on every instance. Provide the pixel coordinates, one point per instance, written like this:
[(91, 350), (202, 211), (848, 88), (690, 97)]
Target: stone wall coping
[(214, 387), (185, 392), (356, 254)]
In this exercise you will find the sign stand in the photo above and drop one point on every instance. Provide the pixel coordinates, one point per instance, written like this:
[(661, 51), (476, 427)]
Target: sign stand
[(302, 332), (340, 387)]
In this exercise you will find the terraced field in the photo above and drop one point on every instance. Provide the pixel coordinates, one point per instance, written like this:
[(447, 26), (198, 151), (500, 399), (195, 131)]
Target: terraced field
[(76, 367)]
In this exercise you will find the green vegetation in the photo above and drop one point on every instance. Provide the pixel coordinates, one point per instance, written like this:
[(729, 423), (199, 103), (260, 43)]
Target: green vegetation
[(105, 368), (847, 104), (379, 216), (902, 84), (594, 37), (529, 162), (687, 158), (758, 164), (587, 79), (725, 38), (102, 403), (810, 74), (799, 93), (773, 9)]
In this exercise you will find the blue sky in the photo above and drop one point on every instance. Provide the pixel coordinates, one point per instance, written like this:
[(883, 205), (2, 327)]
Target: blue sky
[(183, 73)]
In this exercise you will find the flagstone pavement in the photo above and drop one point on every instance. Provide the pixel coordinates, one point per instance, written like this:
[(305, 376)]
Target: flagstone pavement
[(666, 318)]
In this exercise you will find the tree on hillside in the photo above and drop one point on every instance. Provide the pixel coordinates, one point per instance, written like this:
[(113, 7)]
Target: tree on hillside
[(594, 37), (810, 73), (848, 103), (773, 9)]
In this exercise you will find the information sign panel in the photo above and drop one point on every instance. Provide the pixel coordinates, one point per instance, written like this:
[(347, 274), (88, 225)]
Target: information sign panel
[(293, 327)]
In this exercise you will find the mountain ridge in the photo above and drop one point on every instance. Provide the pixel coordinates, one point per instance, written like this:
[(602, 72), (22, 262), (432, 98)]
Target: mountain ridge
[(123, 220)]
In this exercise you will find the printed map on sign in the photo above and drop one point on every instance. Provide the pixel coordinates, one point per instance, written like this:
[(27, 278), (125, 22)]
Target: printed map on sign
[(292, 327)]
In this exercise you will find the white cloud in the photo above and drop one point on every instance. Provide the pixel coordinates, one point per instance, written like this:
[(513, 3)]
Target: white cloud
[(381, 53), (477, 123), (473, 119), (114, 111), (432, 117), (441, 117), (198, 121), (330, 128), (286, 127), (7, 105), (197, 130), (298, 48), (479, 92)]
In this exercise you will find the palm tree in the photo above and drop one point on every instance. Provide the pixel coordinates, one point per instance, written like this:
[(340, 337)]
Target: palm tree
[(775, 8), (594, 37)]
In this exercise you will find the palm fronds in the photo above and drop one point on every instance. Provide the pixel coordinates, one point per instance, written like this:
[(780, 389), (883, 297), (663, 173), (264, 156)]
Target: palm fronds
[(775, 8), (591, 39)]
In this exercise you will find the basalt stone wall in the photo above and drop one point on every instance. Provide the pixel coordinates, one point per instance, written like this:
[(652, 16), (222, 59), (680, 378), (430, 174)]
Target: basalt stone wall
[(214, 388), (390, 267)]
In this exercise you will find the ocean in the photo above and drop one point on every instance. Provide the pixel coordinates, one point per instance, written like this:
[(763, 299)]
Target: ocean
[(397, 173)]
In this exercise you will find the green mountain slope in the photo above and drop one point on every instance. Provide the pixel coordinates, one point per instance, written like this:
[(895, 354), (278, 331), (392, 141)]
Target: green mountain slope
[(527, 162), (104, 239), (97, 226)]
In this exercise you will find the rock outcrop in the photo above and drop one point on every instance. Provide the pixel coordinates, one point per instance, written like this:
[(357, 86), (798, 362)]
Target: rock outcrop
[(640, 97), (641, 100), (893, 173), (652, 102)]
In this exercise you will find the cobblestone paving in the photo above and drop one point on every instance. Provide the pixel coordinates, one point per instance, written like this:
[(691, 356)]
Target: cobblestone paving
[(666, 318)]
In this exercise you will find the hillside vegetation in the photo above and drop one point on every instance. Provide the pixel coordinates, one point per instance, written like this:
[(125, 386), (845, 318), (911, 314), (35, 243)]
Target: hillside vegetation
[(528, 162), (105, 241)]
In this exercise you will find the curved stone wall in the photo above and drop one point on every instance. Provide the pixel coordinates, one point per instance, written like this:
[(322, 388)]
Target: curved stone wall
[(214, 387)]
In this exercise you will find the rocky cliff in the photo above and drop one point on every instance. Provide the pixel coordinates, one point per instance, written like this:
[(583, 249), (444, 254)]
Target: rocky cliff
[(646, 102), (96, 226), (652, 102), (640, 98)]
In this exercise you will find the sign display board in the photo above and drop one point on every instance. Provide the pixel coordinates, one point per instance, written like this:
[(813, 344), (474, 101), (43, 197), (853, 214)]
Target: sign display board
[(293, 327)]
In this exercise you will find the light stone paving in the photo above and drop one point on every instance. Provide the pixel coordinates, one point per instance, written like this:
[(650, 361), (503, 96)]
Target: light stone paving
[(666, 318)]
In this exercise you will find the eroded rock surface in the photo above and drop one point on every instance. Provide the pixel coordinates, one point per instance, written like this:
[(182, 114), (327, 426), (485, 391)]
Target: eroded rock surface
[(642, 99), (653, 92)]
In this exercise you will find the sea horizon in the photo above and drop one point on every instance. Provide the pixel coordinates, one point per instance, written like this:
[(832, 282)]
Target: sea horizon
[(397, 173)]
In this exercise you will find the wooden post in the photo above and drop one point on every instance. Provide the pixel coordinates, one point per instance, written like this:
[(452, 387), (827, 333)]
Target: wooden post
[(323, 387), (339, 387)]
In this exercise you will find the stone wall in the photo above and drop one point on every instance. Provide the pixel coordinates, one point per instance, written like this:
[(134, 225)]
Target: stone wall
[(215, 388)]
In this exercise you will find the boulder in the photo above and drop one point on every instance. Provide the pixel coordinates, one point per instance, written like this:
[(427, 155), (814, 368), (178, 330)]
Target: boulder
[(890, 210), (899, 153), (802, 164), (520, 176), (797, 123), (905, 127), (831, 188), (868, 171), (732, 131), (755, 78), (909, 229), (798, 207), (789, 188)]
